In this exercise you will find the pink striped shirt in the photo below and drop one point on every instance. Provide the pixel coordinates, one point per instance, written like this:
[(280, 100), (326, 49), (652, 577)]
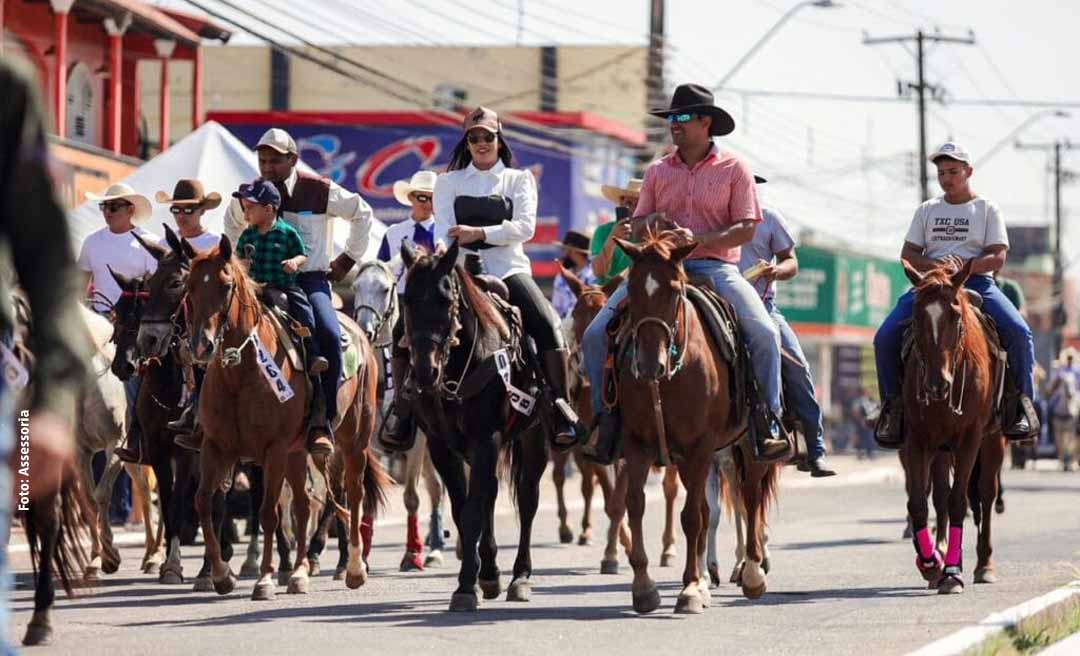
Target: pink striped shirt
[(716, 194)]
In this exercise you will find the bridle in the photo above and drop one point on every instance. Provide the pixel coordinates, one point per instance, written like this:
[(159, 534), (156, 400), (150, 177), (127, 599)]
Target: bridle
[(675, 353), (445, 344), (230, 356), (382, 317), (956, 404)]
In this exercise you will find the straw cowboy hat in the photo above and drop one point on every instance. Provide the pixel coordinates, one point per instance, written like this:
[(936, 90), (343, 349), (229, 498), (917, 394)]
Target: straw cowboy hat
[(615, 194), (1068, 352), (190, 192), (121, 191), (422, 181), (696, 99)]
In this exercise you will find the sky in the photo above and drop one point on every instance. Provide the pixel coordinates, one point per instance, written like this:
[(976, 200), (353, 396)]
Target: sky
[(843, 170)]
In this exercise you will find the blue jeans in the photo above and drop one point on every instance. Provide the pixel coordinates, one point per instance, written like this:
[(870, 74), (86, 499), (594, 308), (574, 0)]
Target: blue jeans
[(327, 334), (1014, 331), (800, 384), (761, 334)]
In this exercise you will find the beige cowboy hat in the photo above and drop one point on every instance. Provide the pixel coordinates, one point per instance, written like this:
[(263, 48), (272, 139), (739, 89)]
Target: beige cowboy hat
[(121, 191), (190, 192), (615, 194), (1068, 352), (422, 181)]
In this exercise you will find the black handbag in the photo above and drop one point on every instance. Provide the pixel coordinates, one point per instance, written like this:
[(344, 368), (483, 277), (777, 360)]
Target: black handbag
[(482, 212)]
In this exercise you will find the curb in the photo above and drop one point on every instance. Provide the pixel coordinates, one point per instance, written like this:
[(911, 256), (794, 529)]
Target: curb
[(972, 636)]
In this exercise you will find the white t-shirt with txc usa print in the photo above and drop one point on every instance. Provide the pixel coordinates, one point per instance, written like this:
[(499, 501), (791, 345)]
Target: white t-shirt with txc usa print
[(964, 230)]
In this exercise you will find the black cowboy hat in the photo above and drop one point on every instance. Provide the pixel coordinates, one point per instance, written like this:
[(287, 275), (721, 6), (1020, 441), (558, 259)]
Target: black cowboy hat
[(759, 180), (696, 99)]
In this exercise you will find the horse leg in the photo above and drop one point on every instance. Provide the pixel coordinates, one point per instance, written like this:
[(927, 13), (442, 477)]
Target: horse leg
[(171, 572), (251, 558), (671, 490), (296, 472), (269, 519), (86, 471), (356, 570), (753, 578), (558, 476), (917, 472), (991, 458), (212, 470), (533, 450), (693, 473), (471, 523), (951, 581), (615, 509), (319, 537), (43, 518), (152, 555), (588, 485), (730, 471), (284, 542), (490, 577), (712, 498), (940, 465), (414, 548), (110, 556), (645, 596), (435, 538)]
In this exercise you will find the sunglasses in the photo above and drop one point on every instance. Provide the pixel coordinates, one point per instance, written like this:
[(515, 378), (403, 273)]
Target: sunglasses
[(191, 209), (681, 118), (486, 137), (422, 198), (114, 206)]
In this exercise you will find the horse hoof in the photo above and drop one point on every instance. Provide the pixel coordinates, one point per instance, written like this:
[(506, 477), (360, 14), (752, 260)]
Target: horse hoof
[(689, 604), (714, 576), (647, 602), (37, 634), (203, 584), (339, 574), (110, 567), (411, 563), (765, 565), (566, 536), (584, 540), (736, 575), (950, 585), (434, 559), (519, 590), (92, 575), (706, 596), (609, 566), (263, 591), (151, 567), (170, 576), (283, 576), (999, 506), (463, 602), (930, 573), (907, 533), (354, 581), (249, 568), (754, 593), (985, 575), (225, 585), (298, 585), (313, 567), (667, 560), (491, 589)]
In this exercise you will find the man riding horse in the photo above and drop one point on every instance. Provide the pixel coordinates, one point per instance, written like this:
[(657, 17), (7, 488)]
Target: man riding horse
[(951, 230)]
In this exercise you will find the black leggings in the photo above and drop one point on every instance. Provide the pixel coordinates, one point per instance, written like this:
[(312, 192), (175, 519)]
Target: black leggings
[(396, 350), (539, 318)]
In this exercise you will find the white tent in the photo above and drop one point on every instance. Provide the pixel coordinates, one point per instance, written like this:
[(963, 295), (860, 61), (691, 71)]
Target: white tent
[(214, 156)]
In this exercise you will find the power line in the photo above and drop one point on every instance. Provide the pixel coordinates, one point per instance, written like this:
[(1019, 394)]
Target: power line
[(866, 98)]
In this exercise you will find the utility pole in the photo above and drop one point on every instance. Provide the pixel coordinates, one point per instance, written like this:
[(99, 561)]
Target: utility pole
[(920, 86), (1058, 318), (654, 83)]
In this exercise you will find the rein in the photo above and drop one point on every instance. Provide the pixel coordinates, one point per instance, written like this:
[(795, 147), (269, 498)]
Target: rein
[(955, 403), (231, 356), (679, 354), (381, 318)]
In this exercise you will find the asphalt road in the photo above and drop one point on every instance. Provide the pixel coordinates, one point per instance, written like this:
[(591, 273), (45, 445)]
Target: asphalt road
[(842, 582)]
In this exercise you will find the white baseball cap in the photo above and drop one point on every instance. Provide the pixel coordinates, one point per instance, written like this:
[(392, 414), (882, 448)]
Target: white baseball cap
[(952, 150), (279, 140)]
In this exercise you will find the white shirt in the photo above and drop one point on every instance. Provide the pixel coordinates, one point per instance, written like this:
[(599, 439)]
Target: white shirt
[(508, 257), (121, 252), (965, 230), (317, 230), (203, 242), (395, 235)]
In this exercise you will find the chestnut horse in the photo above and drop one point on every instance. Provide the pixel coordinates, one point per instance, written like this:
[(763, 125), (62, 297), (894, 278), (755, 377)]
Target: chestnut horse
[(949, 397), (674, 396), (242, 417)]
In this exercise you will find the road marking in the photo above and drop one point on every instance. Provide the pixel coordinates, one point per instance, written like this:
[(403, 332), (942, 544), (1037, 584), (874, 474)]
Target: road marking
[(971, 636)]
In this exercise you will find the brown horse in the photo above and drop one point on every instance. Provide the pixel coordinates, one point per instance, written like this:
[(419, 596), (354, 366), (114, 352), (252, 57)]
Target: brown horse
[(949, 405), (674, 397), (242, 417)]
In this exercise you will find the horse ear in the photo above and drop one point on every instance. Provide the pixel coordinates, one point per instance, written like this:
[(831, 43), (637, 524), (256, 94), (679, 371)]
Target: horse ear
[(173, 240), (679, 253), (575, 283), (449, 259), (408, 253), (122, 280), (187, 249), (225, 249), (155, 250), (632, 250), (961, 276), (611, 285), (913, 275)]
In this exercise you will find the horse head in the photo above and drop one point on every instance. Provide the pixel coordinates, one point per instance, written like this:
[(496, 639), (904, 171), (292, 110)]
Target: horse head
[(159, 325), (126, 314), (938, 319), (658, 305), (375, 301), (590, 300), (432, 310), (213, 285)]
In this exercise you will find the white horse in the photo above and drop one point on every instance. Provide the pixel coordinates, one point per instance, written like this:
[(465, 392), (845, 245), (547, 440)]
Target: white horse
[(375, 303), (717, 491)]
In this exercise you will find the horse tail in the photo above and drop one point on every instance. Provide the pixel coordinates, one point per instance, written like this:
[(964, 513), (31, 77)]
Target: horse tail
[(70, 508), (770, 488), (512, 464), (376, 483), (730, 495)]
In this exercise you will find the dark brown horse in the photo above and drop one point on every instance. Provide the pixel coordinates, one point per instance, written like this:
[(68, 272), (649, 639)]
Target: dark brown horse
[(243, 417), (674, 397), (949, 405)]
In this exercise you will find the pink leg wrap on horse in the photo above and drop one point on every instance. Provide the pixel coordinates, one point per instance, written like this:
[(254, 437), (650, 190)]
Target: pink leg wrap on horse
[(925, 542), (956, 542), (413, 544), (367, 532)]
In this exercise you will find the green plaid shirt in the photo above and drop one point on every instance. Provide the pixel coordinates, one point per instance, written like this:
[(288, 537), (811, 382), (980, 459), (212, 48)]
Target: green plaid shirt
[(281, 242)]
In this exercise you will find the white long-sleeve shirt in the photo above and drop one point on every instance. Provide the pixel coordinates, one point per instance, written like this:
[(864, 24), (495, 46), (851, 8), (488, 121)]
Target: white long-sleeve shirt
[(508, 257), (317, 228)]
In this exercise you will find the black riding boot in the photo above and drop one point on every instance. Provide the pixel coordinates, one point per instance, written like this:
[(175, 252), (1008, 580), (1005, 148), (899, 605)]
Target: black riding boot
[(190, 437), (562, 420), (889, 429), (1020, 422), (320, 439), (604, 444), (398, 432), (133, 452)]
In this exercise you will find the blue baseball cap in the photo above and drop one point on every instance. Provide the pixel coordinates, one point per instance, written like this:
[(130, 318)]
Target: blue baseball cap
[(261, 191)]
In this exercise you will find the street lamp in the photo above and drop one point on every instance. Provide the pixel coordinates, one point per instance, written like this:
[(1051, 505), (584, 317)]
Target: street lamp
[(821, 4), (1007, 138)]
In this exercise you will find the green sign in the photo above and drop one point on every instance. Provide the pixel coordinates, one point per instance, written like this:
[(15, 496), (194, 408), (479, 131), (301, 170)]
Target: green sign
[(838, 288)]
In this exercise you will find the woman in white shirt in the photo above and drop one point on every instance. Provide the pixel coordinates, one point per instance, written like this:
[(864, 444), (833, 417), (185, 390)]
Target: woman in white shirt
[(490, 208)]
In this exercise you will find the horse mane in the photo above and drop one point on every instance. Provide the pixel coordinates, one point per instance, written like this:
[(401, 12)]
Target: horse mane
[(486, 313), (246, 289), (973, 342)]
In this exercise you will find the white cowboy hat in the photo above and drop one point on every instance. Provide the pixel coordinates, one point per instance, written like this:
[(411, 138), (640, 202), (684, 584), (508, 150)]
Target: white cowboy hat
[(421, 181), (615, 194), (1068, 352), (122, 191)]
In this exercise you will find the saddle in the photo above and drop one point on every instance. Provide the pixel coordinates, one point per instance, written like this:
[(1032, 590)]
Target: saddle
[(291, 333)]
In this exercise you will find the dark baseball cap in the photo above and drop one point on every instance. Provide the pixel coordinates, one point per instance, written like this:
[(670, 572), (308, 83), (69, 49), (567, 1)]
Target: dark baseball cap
[(260, 191)]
